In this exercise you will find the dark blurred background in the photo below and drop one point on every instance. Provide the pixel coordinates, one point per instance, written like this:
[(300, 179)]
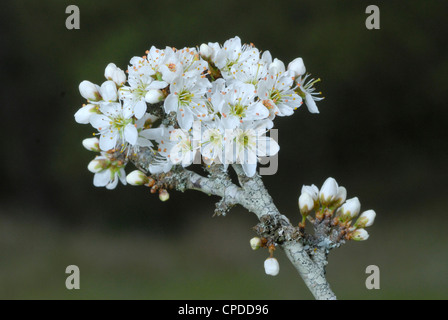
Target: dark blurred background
[(381, 133)]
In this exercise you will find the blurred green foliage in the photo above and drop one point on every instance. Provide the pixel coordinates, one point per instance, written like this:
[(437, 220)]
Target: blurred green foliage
[(381, 133)]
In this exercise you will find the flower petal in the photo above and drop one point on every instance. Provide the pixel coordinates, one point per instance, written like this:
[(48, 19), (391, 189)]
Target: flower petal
[(131, 134)]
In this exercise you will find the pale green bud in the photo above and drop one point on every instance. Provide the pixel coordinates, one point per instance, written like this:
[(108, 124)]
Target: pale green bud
[(360, 235), (255, 243), (366, 219), (137, 178)]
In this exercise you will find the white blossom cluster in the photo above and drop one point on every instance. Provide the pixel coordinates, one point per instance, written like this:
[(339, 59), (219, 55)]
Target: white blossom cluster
[(216, 101)]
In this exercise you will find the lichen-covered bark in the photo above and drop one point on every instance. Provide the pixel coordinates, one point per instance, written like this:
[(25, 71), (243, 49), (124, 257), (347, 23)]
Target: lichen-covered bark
[(307, 254)]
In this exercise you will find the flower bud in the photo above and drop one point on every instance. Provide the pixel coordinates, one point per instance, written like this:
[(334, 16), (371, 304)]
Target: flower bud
[(115, 74), (91, 144), (328, 192), (154, 96), (109, 91), (306, 203), (360, 235), (137, 178), (341, 196), (297, 66), (164, 195), (83, 114), (89, 91), (349, 210), (119, 77), (277, 66), (366, 219), (312, 190), (255, 243), (271, 266), (109, 71), (98, 165), (206, 51)]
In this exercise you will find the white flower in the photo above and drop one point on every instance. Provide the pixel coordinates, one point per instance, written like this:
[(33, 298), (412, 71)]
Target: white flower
[(115, 124), (170, 67), (212, 142), (360, 235), (250, 71), (231, 53), (297, 67), (247, 144), (240, 105), (366, 219), (161, 136), (271, 266), (192, 65), (144, 76), (277, 94), (108, 171), (184, 149), (142, 124), (349, 210), (89, 91), (187, 99), (306, 91), (328, 192)]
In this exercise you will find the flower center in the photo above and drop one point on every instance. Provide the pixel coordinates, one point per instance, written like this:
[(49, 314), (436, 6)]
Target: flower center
[(238, 110), (185, 97), (275, 95), (120, 122), (172, 67)]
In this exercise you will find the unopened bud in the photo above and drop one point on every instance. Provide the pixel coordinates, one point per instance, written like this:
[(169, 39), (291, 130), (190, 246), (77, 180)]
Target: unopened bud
[(349, 210), (109, 91), (115, 74), (297, 66), (206, 51), (277, 66), (154, 96), (89, 91), (306, 203), (109, 71), (98, 165), (83, 114), (341, 196), (91, 144), (164, 195), (366, 219), (271, 266), (312, 190), (360, 235), (255, 243), (137, 178), (119, 77), (328, 192)]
